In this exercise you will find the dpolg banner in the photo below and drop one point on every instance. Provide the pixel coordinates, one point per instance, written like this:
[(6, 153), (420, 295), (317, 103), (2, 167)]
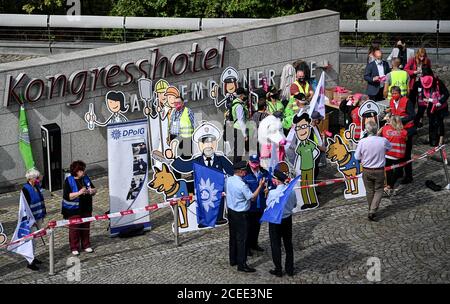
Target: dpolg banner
[(127, 172)]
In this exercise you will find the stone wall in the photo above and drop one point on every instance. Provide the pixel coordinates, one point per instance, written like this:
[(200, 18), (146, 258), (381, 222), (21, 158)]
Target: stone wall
[(259, 46), (352, 75)]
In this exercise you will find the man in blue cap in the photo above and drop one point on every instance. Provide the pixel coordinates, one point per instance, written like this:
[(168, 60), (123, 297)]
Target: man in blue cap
[(254, 174), (238, 197)]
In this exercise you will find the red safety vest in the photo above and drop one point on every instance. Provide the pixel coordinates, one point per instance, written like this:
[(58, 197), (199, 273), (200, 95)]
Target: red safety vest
[(397, 140), (401, 110), (357, 121)]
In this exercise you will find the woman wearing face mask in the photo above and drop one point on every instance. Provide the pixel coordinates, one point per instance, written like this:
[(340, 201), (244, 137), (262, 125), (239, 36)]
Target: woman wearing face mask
[(431, 95), (301, 85), (401, 52), (415, 65)]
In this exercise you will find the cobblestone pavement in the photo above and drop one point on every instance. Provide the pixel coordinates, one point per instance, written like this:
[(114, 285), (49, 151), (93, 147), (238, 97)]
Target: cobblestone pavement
[(332, 243)]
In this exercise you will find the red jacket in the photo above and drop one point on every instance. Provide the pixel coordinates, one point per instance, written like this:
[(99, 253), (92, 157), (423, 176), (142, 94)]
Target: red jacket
[(411, 67), (357, 121), (401, 110), (397, 140)]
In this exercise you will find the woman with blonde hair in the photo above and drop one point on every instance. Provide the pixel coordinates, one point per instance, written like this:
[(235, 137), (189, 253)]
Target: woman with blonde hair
[(415, 65), (394, 132)]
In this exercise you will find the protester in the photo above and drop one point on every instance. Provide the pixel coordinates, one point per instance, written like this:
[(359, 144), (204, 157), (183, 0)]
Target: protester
[(261, 113), (415, 65), (374, 75), (297, 104), (274, 103), (319, 139), (401, 52), (375, 45), (254, 174), (397, 136), (301, 85), (400, 106), (431, 95), (32, 192), (350, 107), (77, 203), (282, 231), (371, 153), (239, 116), (238, 197), (397, 77)]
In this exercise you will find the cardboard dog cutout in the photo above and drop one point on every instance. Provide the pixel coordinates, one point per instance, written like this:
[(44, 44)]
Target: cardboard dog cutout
[(116, 105), (347, 165)]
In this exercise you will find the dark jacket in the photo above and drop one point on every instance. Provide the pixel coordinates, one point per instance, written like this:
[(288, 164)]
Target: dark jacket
[(443, 92), (85, 200), (259, 204), (372, 71), (220, 163)]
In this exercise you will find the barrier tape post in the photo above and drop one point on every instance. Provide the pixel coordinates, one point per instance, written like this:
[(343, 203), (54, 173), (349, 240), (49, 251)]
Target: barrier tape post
[(175, 222), (51, 251), (444, 162)]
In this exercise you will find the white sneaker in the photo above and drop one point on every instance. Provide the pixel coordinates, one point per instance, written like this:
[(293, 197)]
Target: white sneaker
[(75, 252), (89, 250)]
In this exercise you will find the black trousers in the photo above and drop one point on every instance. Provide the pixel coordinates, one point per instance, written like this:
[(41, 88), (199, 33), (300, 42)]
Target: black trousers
[(240, 146), (254, 227), (419, 115), (277, 232), (436, 127), (392, 175), (408, 168), (238, 226), (379, 95)]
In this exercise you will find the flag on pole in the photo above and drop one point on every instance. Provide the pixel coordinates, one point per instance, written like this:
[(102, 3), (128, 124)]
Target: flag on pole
[(24, 140), (318, 100), (24, 223), (276, 202), (209, 185)]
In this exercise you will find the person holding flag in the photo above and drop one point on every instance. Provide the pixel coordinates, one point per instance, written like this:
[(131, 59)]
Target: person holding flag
[(280, 203), (238, 202), (25, 221)]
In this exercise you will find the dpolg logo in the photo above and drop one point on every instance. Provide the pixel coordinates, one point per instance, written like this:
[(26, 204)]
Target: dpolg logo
[(115, 134)]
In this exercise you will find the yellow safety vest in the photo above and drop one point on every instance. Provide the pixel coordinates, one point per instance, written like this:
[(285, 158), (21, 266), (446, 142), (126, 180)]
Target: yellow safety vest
[(300, 88), (399, 79), (186, 128)]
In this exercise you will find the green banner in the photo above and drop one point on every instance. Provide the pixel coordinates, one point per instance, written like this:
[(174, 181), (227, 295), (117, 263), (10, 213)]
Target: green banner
[(24, 140)]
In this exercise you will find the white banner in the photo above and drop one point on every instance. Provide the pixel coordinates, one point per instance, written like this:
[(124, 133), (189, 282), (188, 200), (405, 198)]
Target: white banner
[(128, 172)]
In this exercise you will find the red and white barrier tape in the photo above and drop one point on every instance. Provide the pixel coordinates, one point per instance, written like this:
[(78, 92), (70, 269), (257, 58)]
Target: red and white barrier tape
[(343, 179), (55, 224)]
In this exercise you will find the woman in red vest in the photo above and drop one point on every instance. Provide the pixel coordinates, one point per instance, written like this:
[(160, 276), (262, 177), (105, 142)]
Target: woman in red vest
[(394, 132), (401, 106), (431, 95)]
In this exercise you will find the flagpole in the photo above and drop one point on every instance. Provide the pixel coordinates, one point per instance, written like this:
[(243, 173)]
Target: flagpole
[(51, 251)]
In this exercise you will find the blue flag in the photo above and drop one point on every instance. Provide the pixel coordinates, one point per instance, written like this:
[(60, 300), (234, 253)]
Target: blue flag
[(209, 185), (276, 202)]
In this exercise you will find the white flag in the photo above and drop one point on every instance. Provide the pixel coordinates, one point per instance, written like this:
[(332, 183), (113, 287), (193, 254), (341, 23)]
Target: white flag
[(24, 223), (318, 100)]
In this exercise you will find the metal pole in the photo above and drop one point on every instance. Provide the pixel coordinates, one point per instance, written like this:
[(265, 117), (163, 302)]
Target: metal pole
[(175, 223), (51, 252), (444, 162)]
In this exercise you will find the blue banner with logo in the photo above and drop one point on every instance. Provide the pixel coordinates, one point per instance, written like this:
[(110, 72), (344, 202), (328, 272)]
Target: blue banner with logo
[(209, 185)]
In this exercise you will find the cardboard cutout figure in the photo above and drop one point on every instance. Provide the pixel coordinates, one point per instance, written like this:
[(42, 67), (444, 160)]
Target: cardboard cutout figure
[(164, 182), (206, 136), (307, 152), (229, 80), (115, 103), (3, 237), (339, 153), (369, 110)]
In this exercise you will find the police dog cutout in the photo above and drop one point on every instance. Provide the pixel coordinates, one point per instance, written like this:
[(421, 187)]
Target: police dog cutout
[(338, 153)]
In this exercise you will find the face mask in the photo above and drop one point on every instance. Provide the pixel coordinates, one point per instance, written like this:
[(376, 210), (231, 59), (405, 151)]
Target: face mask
[(178, 106), (244, 98), (301, 79), (396, 97), (254, 166)]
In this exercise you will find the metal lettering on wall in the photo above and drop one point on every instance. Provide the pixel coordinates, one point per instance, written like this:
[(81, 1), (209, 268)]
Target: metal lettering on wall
[(113, 75)]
